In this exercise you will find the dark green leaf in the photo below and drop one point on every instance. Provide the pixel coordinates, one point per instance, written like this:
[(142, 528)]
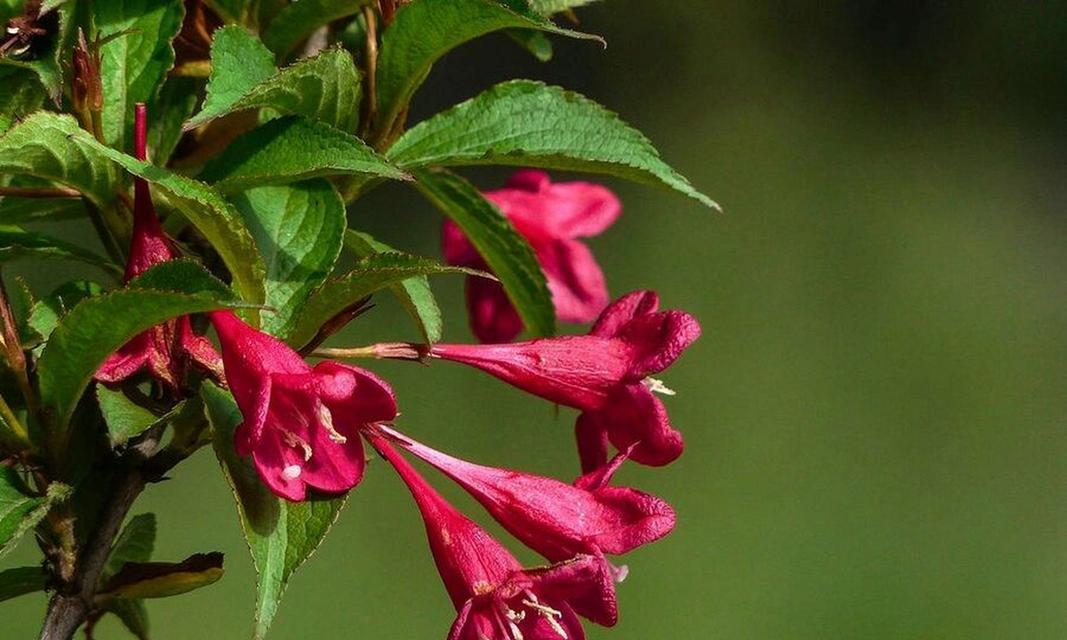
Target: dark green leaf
[(48, 64), (134, 544), (133, 614), (23, 93), (134, 58), (371, 274), (20, 581), (506, 252), (536, 42), (281, 535), (16, 243), (298, 20), (138, 580), (96, 328), (326, 88), (20, 512), (47, 312), (176, 102), (181, 276), (414, 294), (292, 149), (548, 7), (239, 62), (531, 124), (15, 210), (424, 31), (299, 230), (125, 418)]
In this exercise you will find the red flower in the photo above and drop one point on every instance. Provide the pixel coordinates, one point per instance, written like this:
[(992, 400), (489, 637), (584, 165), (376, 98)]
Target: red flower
[(301, 423), (168, 348), (556, 519), (495, 597), (551, 217), (605, 374)]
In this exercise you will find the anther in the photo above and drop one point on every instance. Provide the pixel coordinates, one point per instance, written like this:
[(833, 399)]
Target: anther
[(656, 385)]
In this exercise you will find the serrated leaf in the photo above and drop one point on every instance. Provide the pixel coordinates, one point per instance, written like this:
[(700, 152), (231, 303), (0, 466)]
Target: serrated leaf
[(548, 7), (299, 230), (20, 512), (292, 149), (326, 88), (48, 64), (239, 62), (504, 249), (139, 580), (280, 535), (424, 31), (182, 276), (530, 124), (134, 544), (371, 274), (133, 64), (54, 147), (20, 581), (125, 418), (414, 294), (17, 243), (23, 93), (298, 20), (98, 326), (15, 210)]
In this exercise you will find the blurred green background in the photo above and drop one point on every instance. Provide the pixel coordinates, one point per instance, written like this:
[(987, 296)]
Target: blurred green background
[(875, 414)]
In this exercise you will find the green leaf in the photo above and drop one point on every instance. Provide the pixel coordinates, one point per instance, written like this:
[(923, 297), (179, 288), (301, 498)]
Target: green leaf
[(531, 124), (326, 88), (292, 149), (424, 31), (125, 418), (138, 580), (48, 64), (281, 535), (20, 581), (23, 93), (133, 614), (15, 210), (535, 42), (96, 328), (47, 312), (134, 544), (299, 230), (239, 62), (414, 294), (548, 7), (17, 243), (54, 147), (181, 276), (298, 20), (134, 59), (20, 512), (177, 100), (507, 253), (371, 274)]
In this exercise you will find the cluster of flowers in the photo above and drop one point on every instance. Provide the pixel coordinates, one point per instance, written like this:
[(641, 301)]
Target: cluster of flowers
[(304, 426)]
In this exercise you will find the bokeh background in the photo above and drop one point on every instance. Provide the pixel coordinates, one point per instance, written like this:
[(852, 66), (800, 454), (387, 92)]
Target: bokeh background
[(876, 413)]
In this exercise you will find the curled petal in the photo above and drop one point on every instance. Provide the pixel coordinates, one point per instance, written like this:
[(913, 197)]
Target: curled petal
[(579, 290), (634, 417), (658, 340), (623, 310), (356, 396)]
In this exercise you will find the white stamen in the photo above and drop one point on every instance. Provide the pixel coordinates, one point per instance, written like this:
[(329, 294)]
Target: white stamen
[(326, 420), (656, 385), (12, 31), (297, 442), (551, 615), (619, 573), (292, 472)]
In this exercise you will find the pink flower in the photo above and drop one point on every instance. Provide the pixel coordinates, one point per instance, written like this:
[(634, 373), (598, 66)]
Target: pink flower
[(166, 349), (552, 217), (301, 423), (495, 597), (605, 374), (556, 519)]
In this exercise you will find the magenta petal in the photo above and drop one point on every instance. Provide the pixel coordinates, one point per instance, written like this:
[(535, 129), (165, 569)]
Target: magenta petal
[(634, 417), (356, 396), (456, 248), (493, 318), (585, 583), (582, 209), (592, 440), (658, 340), (579, 291), (271, 458), (624, 310)]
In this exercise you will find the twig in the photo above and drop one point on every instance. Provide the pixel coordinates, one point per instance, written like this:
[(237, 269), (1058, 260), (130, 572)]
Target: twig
[(40, 192)]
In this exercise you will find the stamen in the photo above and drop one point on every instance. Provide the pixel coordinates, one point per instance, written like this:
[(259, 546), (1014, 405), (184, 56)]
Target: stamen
[(552, 616), (656, 385), (12, 31), (292, 472), (326, 420), (297, 442)]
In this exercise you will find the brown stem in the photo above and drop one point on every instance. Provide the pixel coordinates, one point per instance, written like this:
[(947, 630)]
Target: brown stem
[(370, 104), (380, 351), (40, 192)]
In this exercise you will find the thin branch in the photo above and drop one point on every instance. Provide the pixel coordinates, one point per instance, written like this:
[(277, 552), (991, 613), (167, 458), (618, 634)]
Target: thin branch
[(40, 192)]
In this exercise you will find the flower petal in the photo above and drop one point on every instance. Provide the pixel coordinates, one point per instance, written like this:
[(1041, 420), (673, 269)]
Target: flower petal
[(634, 417), (493, 318), (579, 290), (274, 459), (624, 310), (658, 340)]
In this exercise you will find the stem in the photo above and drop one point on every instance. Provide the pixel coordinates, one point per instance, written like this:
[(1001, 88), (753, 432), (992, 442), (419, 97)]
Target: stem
[(70, 607), (380, 351), (370, 104), (13, 423), (40, 192)]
